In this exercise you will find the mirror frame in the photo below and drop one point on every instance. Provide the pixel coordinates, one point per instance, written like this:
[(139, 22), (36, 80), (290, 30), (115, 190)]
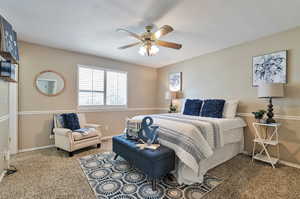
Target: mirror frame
[(46, 71)]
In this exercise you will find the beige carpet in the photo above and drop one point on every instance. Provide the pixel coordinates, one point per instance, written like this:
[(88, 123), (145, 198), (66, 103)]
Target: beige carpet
[(51, 174)]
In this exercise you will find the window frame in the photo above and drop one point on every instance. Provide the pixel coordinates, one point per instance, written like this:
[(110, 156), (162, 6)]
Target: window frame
[(104, 106)]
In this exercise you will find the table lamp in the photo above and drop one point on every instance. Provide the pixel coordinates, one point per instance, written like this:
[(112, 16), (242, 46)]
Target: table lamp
[(170, 95), (270, 90)]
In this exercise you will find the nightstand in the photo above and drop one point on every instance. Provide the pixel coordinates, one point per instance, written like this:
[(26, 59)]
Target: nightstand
[(270, 139)]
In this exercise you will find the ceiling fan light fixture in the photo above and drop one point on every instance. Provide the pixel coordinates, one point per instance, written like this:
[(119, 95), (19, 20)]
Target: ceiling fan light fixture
[(148, 50), (149, 40)]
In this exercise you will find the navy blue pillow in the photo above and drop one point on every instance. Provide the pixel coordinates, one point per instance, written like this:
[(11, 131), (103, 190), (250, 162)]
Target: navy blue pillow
[(71, 121), (213, 108), (192, 107)]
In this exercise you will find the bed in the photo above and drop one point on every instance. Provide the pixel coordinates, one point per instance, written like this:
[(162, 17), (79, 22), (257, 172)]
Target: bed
[(200, 143)]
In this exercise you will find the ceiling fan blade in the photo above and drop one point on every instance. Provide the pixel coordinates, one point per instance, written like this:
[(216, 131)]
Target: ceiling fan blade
[(168, 44), (130, 33), (129, 45), (163, 31)]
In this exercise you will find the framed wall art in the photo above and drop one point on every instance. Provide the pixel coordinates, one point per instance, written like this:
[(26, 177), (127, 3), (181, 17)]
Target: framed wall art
[(270, 68), (175, 81)]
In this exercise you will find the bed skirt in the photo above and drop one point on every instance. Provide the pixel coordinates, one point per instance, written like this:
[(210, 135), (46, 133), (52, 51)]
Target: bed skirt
[(186, 175)]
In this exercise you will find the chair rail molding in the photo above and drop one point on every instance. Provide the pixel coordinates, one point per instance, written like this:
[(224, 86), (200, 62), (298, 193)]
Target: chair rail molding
[(283, 117), (4, 118), (90, 110)]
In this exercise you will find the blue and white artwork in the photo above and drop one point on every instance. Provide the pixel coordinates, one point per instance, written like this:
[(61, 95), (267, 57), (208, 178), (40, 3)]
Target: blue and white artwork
[(270, 68), (9, 39), (175, 81)]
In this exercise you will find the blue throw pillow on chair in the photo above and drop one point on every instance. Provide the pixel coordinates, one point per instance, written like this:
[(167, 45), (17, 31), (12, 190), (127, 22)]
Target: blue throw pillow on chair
[(192, 107), (71, 121), (213, 108)]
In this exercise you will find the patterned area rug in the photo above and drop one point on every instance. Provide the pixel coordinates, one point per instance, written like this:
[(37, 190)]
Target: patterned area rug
[(117, 179)]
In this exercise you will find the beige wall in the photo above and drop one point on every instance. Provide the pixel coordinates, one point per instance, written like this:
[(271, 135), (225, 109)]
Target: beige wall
[(34, 129), (223, 74), (4, 122), (228, 74)]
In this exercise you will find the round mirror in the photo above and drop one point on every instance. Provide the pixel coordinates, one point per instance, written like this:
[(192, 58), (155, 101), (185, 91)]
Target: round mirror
[(50, 83)]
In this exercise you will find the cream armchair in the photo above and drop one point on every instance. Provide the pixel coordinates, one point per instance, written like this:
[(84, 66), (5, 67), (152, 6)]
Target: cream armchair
[(70, 141)]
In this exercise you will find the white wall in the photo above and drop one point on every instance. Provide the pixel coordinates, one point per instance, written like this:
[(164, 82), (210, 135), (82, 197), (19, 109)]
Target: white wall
[(4, 123)]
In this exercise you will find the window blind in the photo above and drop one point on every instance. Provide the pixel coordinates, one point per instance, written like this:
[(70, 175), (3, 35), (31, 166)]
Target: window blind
[(91, 86), (101, 87), (116, 88)]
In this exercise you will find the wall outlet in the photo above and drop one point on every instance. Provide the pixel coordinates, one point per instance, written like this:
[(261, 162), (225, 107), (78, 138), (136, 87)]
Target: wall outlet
[(5, 155), (2, 156), (106, 127)]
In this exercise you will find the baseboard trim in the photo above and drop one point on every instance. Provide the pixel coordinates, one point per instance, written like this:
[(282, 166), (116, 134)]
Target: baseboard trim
[(107, 137), (50, 146), (35, 148), (286, 163), (290, 164), (2, 175)]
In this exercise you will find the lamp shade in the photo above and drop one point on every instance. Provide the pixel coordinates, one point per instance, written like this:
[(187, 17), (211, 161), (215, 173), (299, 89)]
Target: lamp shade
[(267, 90)]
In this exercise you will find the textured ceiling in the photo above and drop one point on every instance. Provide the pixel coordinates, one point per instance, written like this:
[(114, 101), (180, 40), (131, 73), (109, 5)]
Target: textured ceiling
[(202, 26)]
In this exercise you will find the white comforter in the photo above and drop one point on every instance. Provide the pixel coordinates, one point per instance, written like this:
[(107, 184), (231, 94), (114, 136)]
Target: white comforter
[(193, 138)]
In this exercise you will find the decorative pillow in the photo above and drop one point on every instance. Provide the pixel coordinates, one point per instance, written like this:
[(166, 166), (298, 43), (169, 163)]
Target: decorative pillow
[(230, 108), (60, 123), (192, 107), (132, 128), (71, 121), (182, 104), (213, 108)]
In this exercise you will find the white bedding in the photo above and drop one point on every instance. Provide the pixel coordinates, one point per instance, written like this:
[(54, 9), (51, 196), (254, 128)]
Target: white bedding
[(195, 139), (185, 175)]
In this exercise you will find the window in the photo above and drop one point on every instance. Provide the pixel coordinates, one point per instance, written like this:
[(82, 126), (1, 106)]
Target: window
[(101, 87)]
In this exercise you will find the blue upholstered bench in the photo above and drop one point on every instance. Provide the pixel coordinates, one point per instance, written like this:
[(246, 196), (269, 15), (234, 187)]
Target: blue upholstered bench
[(154, 163)]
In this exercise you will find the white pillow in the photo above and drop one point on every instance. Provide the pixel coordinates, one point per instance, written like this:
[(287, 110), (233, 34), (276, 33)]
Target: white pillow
[(182, 104), (230, 109)]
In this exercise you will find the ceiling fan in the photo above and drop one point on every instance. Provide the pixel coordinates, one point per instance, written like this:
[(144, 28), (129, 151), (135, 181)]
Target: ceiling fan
[(149, 41)]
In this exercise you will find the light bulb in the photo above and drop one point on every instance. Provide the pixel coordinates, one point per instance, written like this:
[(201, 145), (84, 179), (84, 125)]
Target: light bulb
[(143, 50), (154, 50), (148, 50)]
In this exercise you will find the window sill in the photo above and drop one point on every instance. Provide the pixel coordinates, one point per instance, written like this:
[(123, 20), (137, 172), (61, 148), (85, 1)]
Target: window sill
[(102, 108)]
